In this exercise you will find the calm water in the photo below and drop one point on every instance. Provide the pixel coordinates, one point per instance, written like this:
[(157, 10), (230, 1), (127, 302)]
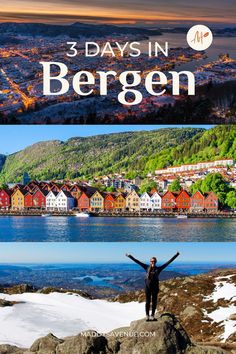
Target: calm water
[(220, 45), (98, 229)]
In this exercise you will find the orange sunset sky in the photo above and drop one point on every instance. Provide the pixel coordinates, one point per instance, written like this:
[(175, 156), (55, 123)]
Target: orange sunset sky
[(121, 12)]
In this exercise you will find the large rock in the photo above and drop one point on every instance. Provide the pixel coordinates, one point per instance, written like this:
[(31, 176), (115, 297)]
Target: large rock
[(164, 336), (45, 345), (4, 303), (10, 349)]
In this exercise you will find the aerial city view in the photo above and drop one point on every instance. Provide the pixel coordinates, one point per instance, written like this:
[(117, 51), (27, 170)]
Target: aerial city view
[(136, 183), (119, 44)]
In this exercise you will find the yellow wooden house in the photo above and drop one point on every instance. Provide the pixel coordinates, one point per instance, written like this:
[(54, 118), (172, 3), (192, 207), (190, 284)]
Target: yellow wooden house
[(133, 201), (120, 202), (97, 202), (18, 199)]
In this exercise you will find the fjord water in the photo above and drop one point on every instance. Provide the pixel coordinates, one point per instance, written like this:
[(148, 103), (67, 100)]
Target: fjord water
[(115, 229)]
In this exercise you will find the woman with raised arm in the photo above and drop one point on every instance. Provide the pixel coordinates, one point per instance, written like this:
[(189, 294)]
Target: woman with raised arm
[(152, 282)]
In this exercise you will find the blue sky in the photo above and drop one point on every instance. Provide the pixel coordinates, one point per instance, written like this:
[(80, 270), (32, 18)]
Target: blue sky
[(17, 137), (113, 252)]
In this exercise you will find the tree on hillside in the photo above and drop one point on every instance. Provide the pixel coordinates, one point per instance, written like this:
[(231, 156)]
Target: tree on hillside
[(3, 186), (175, 186), (147, 186), (231, 199), (111, 189)]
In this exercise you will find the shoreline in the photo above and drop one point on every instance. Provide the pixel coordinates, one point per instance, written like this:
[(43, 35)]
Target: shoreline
[(229, 215)]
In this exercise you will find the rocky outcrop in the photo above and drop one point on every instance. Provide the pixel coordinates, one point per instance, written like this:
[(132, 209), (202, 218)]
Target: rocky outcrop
[(189, 299), (164, 336), (18, 289), (4, 303)]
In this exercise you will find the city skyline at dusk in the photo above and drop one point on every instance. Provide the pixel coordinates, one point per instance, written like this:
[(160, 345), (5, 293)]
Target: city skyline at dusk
[(133, 12)]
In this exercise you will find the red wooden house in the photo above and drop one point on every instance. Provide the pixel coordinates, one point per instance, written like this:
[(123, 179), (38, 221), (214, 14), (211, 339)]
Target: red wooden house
[(197, 201), (168, 200), (183, 200), (83, 203), (109, 201), (76, 191), (5, 198), (28, 200), (39, 199), (211, 202)]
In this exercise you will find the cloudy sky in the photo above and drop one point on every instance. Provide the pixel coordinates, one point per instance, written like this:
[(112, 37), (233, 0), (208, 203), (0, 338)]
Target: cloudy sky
[(173, 12)]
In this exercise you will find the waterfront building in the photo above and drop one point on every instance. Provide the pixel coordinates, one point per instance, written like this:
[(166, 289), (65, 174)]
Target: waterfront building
[(18, 199), (97, 201), (197, 202), (156, 201), (28, 200), (109, 201), (5, 198), (145, 201), (51, 200), (120, 202), (211, 202), (64, 201), (169, 200), (133, 201), (183, 200), (39, 199)]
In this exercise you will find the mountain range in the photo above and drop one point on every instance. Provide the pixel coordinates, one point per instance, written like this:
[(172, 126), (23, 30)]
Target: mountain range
[(74, 30), (135, 153)]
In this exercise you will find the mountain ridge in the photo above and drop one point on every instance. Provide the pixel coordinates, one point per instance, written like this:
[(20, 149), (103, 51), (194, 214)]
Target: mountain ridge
[(135, 153)]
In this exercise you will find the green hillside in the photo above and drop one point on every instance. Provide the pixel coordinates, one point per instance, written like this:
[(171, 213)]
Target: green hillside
[(132, 152)]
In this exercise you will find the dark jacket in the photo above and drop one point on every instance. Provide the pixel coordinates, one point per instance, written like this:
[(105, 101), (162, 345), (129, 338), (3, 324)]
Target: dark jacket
[(152, 276)]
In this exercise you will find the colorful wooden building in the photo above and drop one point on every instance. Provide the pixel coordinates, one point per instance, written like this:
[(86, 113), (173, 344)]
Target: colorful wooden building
[(197, 202), (5, 198), (183, 200), (168, 201)]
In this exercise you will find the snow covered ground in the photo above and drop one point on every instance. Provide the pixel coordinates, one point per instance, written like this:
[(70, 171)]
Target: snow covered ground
[(62, 315), (227, 291)]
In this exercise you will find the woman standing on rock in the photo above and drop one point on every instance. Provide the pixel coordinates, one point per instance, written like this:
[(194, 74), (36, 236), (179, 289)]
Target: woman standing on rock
[(152, 282)]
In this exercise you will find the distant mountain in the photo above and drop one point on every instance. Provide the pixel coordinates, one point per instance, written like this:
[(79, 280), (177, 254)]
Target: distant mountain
[(75, 30), (132, 152)]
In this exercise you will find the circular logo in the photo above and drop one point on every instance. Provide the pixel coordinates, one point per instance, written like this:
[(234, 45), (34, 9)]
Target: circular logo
[(199, 37)]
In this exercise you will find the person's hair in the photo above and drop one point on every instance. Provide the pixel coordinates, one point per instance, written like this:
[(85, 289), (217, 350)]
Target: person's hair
[(154, 259)]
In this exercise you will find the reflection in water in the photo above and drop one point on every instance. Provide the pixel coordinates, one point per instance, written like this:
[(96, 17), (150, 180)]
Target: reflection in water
[(55, 229)]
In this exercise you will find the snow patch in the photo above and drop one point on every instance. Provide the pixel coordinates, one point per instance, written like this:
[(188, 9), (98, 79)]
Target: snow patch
[(61, 314), (226, 291)]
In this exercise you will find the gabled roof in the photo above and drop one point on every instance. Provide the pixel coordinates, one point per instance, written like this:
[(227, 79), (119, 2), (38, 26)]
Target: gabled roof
[(7, 191), (43, 191)]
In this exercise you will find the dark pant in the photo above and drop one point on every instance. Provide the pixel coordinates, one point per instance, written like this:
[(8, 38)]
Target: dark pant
[(151, 296)]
